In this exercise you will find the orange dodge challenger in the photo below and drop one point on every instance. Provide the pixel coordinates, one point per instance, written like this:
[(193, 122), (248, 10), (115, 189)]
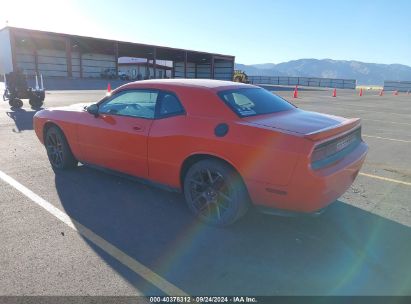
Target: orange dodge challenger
[(225, 145)]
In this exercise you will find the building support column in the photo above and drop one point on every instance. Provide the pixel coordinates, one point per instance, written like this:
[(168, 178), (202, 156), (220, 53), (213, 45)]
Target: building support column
[(147, 76), (116, 57), (36, 62), (69, 58), (80, 55), (155, 62), (13, 50), (232, 69), (212, 67), (185, 64)]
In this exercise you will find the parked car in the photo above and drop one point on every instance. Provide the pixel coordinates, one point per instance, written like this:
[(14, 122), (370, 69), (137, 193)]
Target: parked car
[(225, 145)]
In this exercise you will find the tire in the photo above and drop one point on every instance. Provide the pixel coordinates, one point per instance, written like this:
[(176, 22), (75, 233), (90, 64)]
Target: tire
[(16, 103), (36, 99), (215, 193), (35, 102), (58, 150)]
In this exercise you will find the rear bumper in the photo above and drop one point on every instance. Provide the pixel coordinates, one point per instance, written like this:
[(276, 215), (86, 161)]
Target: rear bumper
[(289, 213), (310, 190)]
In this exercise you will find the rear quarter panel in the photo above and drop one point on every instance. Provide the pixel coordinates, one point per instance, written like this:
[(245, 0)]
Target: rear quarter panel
[(258, 154)]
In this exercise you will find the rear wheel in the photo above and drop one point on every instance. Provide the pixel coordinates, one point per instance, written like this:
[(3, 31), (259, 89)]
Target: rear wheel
[(215, 193), (58, 149), (15, 103)]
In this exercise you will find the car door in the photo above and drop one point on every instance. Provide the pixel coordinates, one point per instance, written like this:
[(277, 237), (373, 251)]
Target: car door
[(167, 144), (117, 137)]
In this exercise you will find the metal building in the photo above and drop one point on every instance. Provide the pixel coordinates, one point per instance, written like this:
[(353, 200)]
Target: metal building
[(56, 55)]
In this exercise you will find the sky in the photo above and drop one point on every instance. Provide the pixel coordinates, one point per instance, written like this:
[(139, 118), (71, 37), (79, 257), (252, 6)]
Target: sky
[(258, 31)]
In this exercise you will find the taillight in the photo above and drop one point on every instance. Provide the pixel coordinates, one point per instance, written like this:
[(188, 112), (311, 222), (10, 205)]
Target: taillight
[(319, 154), (333, 147)]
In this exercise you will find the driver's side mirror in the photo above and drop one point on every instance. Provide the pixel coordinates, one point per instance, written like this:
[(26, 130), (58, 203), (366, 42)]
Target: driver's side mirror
[(93, 109)]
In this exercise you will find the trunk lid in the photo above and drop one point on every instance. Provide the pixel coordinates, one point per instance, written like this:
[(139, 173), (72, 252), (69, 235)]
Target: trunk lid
[(312, 125)]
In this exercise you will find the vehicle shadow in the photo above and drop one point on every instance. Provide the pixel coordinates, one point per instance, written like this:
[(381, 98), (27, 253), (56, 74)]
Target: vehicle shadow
[(22, 119), (345, 251)]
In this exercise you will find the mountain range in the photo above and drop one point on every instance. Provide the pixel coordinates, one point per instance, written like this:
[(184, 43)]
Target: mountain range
[(364, 73)]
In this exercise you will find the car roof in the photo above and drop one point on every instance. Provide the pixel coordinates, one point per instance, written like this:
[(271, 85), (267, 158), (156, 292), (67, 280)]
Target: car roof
[(215, 85)]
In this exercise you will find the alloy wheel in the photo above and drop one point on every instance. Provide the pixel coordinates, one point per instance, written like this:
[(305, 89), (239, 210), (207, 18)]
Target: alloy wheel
[(210, 194), (54, 146)]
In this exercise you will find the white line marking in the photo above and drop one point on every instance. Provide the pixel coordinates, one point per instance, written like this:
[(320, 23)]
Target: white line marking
[(385, 179), (391, 122), (368, 111), (386, 138), (351, 109), (342, 103), (116, 253)]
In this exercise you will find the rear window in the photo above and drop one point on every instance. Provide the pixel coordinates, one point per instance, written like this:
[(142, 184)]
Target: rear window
[(254, 101)]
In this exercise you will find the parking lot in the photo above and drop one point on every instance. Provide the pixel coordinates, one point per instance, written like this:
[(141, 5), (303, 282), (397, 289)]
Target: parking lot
[(85, 232)]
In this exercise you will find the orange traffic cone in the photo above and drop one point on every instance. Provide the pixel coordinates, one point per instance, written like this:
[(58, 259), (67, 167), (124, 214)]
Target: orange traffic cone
[(335, 93), (109, 88), (361, 92), (381, 92), (396, 92), (295, 95)]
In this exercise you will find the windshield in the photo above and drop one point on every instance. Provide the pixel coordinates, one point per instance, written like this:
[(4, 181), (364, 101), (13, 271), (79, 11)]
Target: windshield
[(254, 101)]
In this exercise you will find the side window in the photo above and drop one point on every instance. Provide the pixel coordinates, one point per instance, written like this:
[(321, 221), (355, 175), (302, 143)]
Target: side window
[(169, 105), (242, 101), (138, 103)]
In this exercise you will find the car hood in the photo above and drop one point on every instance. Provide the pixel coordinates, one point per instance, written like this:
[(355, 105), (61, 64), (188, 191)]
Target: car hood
[(297, 121), (72, 108)]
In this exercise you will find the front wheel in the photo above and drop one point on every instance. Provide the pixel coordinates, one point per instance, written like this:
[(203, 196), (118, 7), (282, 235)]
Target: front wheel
[(35, 102), (58, 149), (36, 98), (215, 193)]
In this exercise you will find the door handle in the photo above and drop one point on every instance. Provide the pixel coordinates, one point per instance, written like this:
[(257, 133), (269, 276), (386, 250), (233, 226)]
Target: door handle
[(138, 128)]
